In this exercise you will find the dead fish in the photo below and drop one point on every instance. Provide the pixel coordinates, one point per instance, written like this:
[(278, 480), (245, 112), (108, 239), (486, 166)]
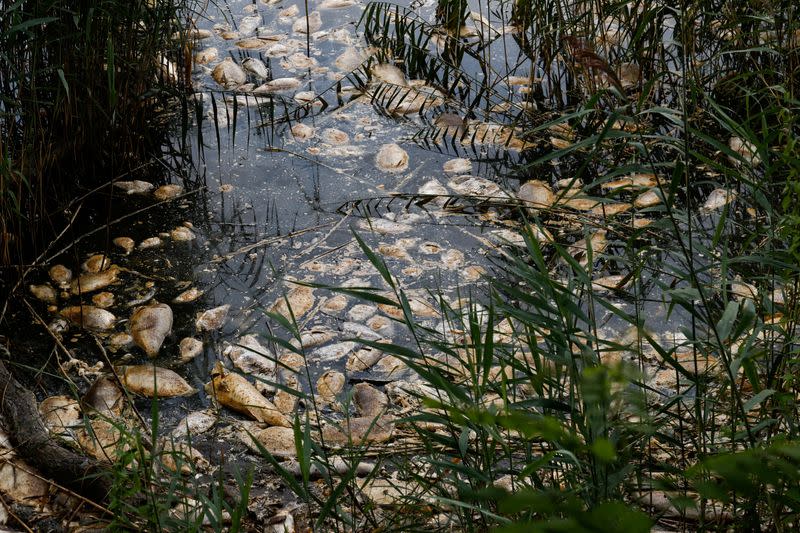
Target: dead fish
[(105, 397), (335, 304), (189, 348), (150, 242), (60, 412), (361, 312), (608, 283), (134, 187), (251, 357), (229, 74), (96, 263), (649, 198), (299, 60), (389, 74), (180, 457), (458, 166), (718, 198), (146, 297), (126, 243), (359, 430), (434, 188), (747, 151), (198, 34), (306, 97), (335, 136), (212, 319), (349, 60), (103, 300), (120, 341), (611, 209), (336, 4), (254, 43), (195, 423), (329, 385), (60, 275), (383, 226), (316, 337), (93, 281), (256, 67), (741, 290), (206, 55), (249, 24), (105, 440), (596, 243), (188, 296), (452, 259), (536, 193), (44, 292), (168, 192), (235, 392), (474, 186), (333, 352), (360, 331), (368, 400), (278, 85), (89, 317), (277, 440), (181, 234), (150, 325), (289, 12), (153, 381), (641, 180), (302, 131), (285, 398), (309, 24), (300, 299), (363, 359), (391, 158)]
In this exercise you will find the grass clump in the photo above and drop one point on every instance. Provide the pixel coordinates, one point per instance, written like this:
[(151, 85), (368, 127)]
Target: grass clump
[(82, 86)]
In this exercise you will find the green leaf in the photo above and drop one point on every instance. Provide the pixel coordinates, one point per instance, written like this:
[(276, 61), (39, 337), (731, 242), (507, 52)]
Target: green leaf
[(725, 324), (756, 400)]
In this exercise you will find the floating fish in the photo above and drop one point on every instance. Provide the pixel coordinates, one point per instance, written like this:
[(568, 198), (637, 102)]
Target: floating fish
[(44, 292), (126, 243), (228, 74), (392, 158), (458, 166), (329, 385), (309, 24), (255, 66), (150, 325), (60, 275), (537, 194), (134, 187), (235, 392), (188, 296), (212, 319), (168, 192), (153, 381), (92, 281), (389, 74), (89, 317), (189, 348)]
